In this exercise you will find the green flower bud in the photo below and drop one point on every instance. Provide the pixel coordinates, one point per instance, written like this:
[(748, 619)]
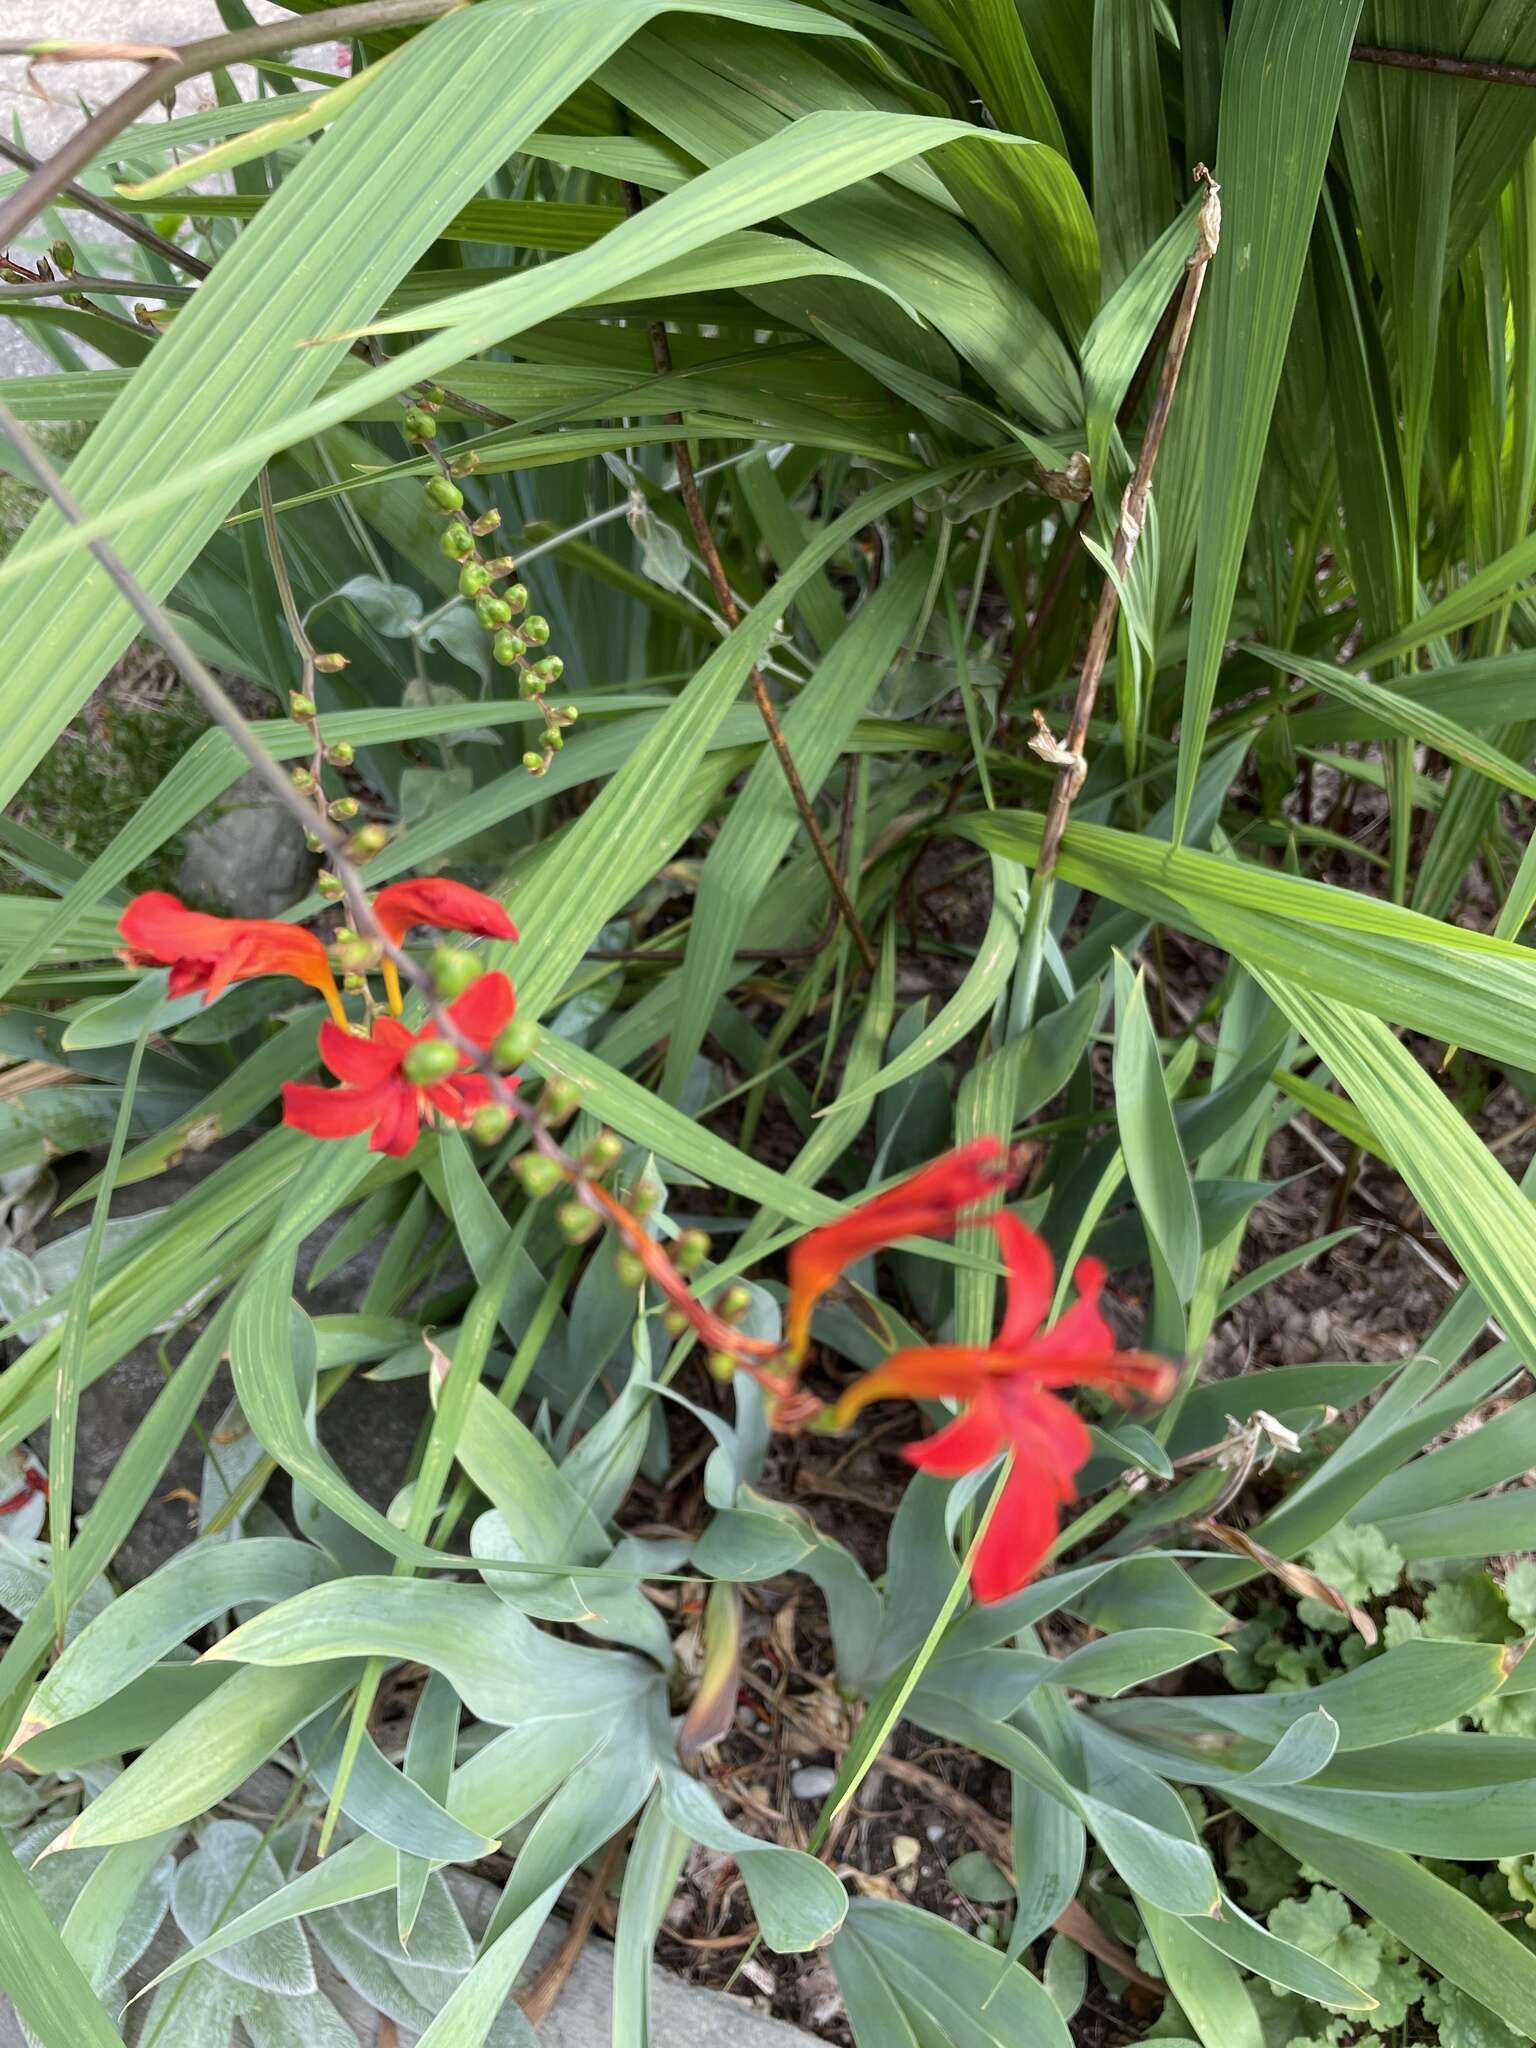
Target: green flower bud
[(733, 1303), (492, 611), (433, 1059), (342, 754), (457, 541), (302, 780), (343, 808), (432, 394), (490, 1123), (443, 496), (553, 738), (516, 595), (576, 1221), (604, 1151), (691, 1250), (453, 968), (675, 1323), (368, 840), (535, 763), (299, 706), (508, 648), (473, 578), (643, 1198), (630, 1271), (559, 1099), (63, 255), (569, 713), (549, 670), (355, 955), (328, 885), (418, 425), (536, 629), (539, 1176), (528, 684), (722, 1365), (515, 1044), (313, 841)]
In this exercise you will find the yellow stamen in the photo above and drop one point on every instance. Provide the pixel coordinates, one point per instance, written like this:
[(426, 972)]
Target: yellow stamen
[(392, 988)]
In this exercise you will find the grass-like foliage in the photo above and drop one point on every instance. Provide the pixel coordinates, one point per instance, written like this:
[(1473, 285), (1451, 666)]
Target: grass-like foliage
[(892, 1128)]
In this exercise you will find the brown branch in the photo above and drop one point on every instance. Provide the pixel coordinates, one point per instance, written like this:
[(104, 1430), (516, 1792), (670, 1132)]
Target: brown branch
[(725, 597), (163, 76), (1069, 755), (538, 2001), (1481, 69), (125, 224)]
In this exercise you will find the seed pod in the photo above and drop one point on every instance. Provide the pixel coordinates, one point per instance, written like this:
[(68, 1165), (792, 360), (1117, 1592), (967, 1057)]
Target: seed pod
[(473, 578), (559, 1099), (576, 1221), (432, 394), (734, 1303), (343, 808), (515, 1044), (486, 523), (508, 648), (432, 1059), (553, 738), (569, 713), (500, 565), (516, 595), (465, 464), (535, 629), (355, 955), (299, 706), (442, 495), (675, 1323), (539, 1176), (630, 1271), (328, 885), (492, 612), (691, 1250), (457, 540), (368, 840), (342, 754), (490, 1123), (453, 968), (302, 780), (331, 664), (313, 841), (418, 424), (722, 1365), (63, 255), (604, 1151), (535, 763), (528, 684), (549, 670)]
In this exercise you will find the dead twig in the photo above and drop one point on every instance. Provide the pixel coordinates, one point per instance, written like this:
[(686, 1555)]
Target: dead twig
[(1482, 70), (538, 2001), (1068, 756)]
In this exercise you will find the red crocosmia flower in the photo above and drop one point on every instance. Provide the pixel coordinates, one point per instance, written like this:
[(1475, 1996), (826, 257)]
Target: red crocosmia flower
[(209, 953), (1010, 1406), (397, 1080), (926, 1204), (448, 906)]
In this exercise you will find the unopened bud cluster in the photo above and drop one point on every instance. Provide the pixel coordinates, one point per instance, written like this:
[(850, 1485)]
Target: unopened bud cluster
[(516, 633)]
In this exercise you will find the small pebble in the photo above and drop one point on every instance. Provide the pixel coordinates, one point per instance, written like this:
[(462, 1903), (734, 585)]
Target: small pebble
[(935, 1831), (813, 1781)]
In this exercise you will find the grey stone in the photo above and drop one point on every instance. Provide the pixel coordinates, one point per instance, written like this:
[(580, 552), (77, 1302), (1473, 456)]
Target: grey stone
[(813, 1781), (247, 857)]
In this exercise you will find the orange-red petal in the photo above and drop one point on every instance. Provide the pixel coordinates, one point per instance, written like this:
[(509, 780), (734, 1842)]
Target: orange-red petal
[(1019, 1536), (486, 1007), (364, 1062), (930, 1372), (1031, 1281), (928, 1203), (447, 906), (333, 1112), (973, 1439), (160, 927)]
